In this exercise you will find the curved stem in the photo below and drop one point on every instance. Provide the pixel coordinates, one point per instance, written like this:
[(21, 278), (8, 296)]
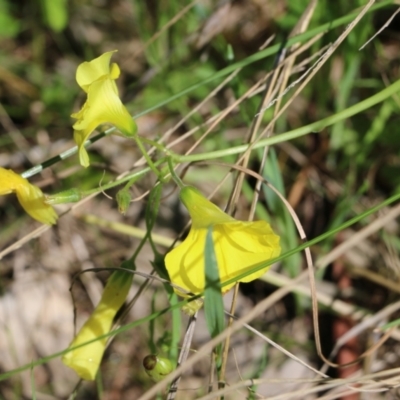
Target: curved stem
[(148, 159), (315, 127), (130, 177), (174, 175), (157, 145)]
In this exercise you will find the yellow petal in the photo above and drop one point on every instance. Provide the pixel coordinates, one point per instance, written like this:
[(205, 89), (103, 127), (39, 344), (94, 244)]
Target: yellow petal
[(85, 360), (185, 263), (241, 245), (103, 105), (30, 197), (99, 68)]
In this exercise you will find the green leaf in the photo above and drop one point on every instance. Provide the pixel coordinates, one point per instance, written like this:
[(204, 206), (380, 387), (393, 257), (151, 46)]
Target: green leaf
[(55, 14), (391, 324), (281, 217), (213, 304), (9, 26)]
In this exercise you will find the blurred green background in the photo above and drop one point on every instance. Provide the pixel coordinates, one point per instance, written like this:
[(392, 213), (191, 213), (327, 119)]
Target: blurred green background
[(164, 48)]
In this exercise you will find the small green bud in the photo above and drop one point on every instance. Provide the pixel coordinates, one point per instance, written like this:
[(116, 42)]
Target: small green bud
[(67, 196), (123, 199), (192, 307), (157, 368), (230, 55)]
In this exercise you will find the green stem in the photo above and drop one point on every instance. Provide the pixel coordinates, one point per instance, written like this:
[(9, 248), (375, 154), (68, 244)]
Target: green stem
[(315, 127), (133, 176), (174, 175), (148, 159), (130, 183), (73, 196), (157, 145)]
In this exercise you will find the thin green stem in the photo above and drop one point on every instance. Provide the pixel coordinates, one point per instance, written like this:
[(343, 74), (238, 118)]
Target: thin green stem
[(75, 195), (174, 175), (132, 176), (315, 127), (157, 145), (130, 183), (145, 154)]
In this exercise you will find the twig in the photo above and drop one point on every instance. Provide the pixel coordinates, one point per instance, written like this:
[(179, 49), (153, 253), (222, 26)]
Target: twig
[(387, 23)]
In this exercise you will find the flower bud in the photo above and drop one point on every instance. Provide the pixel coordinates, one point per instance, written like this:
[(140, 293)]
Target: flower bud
[(66, 196), (157, 368), (123, 198)]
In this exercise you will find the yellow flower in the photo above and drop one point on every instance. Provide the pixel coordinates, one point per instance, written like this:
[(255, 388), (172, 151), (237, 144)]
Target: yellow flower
[(85, 360), (30, 197), (238, 245), (103, 105)]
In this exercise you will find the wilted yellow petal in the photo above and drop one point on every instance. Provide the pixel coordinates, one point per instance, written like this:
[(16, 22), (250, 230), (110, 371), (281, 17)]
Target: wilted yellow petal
[(85, 360), (80, 138), (91, 71), (103, 105), (30, 197), (238, 246)]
